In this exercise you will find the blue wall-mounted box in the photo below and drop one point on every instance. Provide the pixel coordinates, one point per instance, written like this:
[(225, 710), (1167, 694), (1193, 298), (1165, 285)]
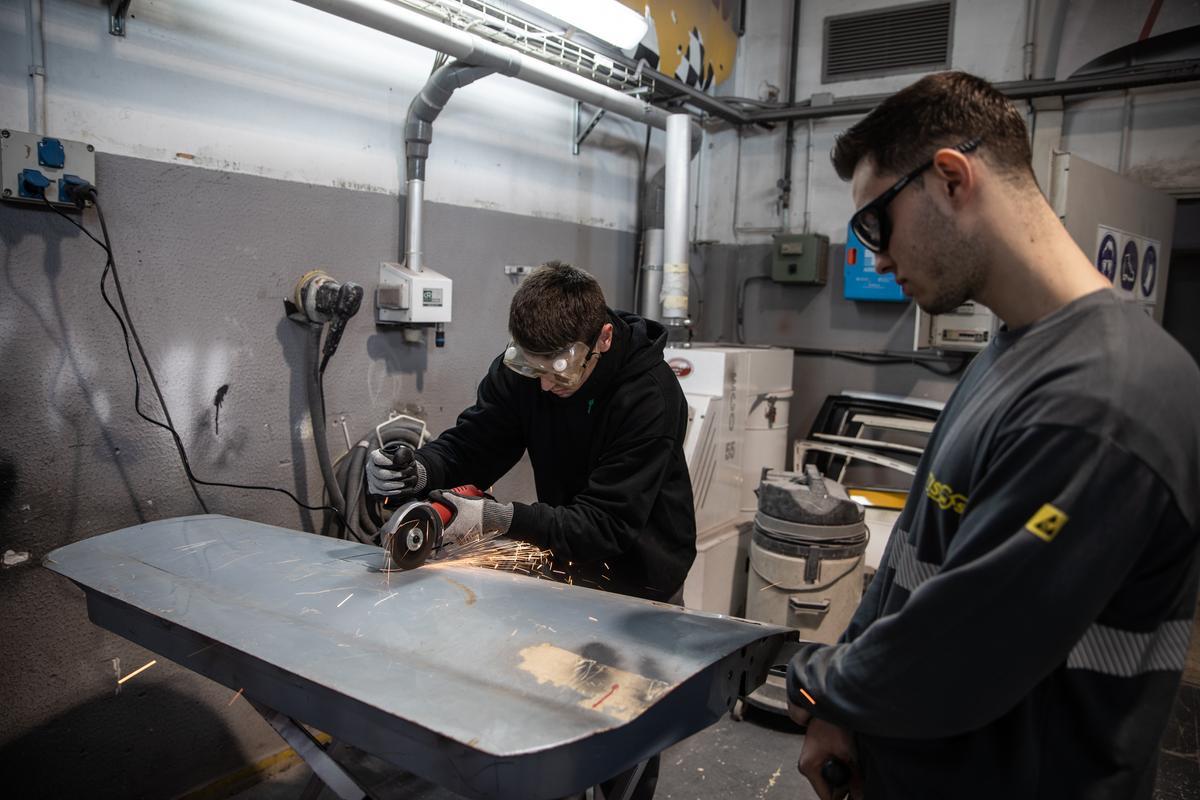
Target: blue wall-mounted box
[(862, 282)]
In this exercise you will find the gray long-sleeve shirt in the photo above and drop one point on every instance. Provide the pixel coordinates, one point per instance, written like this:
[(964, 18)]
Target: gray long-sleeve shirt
[(1026, 631)]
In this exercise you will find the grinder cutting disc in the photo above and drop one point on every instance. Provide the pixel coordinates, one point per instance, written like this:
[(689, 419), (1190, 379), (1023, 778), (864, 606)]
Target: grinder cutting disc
[(411, 534)]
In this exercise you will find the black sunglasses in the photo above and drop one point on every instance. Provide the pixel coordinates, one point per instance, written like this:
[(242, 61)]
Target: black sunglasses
[(871, 225)]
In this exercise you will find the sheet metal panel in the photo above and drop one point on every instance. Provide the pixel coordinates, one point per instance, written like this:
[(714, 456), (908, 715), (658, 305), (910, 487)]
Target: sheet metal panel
[(490, 683)]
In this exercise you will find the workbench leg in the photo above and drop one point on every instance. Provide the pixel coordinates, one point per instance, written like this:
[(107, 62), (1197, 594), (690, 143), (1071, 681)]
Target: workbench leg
[(623, 786), (323, 766)]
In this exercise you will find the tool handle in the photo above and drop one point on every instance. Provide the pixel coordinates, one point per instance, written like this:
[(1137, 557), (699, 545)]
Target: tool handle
[(444, 511), (835, 772), (400, 453)]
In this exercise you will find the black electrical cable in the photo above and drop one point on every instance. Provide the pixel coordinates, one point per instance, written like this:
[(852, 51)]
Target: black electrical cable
[(639, 248), (111, 267), (739, 320), (925, 362)]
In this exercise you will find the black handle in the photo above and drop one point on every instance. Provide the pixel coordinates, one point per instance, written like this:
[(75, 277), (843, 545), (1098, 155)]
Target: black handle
[(835, 772), (400, 453)]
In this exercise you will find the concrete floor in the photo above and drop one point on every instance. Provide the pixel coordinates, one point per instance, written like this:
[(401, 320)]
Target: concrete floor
[(750, 760), (754, 759)]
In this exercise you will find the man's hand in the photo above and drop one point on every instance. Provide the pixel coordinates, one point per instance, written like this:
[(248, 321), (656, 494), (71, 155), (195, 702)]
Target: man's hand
[(398, 476), (472, 517), (822, 742)]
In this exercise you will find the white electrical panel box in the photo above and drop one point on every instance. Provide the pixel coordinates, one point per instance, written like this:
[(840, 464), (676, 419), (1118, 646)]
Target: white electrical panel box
[(31, 165), (407, 297), (969, 327)]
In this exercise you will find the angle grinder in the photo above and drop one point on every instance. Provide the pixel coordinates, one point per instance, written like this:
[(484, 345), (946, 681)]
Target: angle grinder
[(413, 534)]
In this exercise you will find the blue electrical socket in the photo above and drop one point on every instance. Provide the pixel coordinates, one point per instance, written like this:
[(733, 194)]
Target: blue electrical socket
[(33, 184), (51, 153), (67, 185)]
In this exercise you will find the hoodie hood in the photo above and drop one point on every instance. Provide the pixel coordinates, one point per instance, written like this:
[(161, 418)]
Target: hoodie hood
[(637, 348)]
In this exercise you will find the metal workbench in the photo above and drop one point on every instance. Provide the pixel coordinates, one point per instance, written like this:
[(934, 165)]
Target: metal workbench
[(492, 684)]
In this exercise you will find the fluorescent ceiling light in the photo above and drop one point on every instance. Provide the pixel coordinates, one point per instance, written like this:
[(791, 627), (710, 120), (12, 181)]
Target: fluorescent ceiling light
[(605, 19)]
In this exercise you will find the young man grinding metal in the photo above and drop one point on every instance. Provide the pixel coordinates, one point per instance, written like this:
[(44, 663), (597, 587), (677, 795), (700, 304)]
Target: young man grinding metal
[(1027, 629), (586, 391)]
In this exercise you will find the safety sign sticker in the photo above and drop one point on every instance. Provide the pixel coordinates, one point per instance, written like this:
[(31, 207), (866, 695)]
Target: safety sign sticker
[(1149, 269), (1130, 262), (1106, 254), (1129, 265)]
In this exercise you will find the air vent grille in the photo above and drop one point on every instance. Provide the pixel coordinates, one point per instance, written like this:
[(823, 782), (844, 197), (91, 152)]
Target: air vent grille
[(913, 38)]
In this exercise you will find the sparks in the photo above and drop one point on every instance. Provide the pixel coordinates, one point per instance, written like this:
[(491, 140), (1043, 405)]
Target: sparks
[(389, 597), (233, 699), (339, 605), (138, 671), (487, 551)]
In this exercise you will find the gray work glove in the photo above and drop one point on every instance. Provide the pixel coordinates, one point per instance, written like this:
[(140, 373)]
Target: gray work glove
[(472, 518), (400, 476)]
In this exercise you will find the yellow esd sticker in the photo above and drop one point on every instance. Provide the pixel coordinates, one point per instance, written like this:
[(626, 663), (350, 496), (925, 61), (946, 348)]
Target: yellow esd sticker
[(1047, 522)]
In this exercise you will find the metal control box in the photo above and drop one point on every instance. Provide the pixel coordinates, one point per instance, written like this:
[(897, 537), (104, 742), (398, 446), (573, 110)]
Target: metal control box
[(31, 165), (800, 258), (406, 297)]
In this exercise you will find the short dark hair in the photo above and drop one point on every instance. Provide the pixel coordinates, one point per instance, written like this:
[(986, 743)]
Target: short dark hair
[(556, 305), (940, 110)]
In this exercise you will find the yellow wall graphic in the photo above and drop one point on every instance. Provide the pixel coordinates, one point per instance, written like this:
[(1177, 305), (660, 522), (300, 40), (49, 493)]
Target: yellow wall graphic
[(674, 21)]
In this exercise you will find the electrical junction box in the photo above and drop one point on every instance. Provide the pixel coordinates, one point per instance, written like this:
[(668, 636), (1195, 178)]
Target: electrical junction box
[(408, 297), (862, 282), (800, 258), (969, 327), (32, 164)]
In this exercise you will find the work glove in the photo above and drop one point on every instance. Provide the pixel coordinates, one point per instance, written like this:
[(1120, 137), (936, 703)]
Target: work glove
[(400, 475), (472, 518)]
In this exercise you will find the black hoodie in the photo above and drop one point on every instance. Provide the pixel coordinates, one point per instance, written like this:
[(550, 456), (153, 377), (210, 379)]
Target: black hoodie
[(615, 499)]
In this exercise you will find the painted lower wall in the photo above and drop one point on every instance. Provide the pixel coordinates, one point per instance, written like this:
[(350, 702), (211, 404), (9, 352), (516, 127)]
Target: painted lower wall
[(810, 317), (205, 258)]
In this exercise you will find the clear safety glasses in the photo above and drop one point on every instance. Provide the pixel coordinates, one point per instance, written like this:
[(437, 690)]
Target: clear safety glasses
[(564, 367)]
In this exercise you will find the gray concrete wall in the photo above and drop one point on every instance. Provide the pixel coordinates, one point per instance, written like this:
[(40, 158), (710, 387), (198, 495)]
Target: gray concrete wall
[(810, 317), (205, 258)]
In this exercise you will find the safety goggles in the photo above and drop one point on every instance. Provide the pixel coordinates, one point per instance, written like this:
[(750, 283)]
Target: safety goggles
[(871, 223), (565, 367)]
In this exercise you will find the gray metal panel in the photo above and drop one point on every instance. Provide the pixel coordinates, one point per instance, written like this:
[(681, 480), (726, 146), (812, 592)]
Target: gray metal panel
[(1086, 196), (490, 683)]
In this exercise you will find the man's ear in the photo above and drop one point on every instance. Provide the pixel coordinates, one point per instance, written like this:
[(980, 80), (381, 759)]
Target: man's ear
[(956, 175), (606, 337)]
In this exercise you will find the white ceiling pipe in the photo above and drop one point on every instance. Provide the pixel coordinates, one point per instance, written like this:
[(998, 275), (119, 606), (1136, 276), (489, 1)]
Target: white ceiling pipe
[(471, 49)]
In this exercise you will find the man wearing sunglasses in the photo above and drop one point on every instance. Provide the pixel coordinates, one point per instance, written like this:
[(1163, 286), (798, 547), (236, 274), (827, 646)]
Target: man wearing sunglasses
[(1027, 629), (586, 392)]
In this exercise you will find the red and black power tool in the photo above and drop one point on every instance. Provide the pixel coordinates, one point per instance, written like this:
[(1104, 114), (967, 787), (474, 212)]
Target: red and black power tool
[(413, 534)]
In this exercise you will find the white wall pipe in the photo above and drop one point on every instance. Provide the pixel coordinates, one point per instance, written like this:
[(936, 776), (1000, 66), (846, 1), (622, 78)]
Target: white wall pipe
[(471, 49), (37, 66), (675, 220)]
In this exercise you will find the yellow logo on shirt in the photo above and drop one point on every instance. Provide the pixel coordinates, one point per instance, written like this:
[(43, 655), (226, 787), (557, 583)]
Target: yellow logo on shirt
[(1047, 522), (945, 497)]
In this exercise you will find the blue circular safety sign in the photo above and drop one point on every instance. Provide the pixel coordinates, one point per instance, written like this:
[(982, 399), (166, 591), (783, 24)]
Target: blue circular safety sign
[(1106, 257), (1149, 270), (1129, 265)]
